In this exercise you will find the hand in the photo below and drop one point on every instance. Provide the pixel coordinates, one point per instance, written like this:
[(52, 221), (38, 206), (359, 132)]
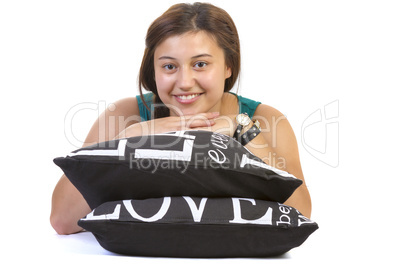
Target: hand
[(223, 124), (172, 123)]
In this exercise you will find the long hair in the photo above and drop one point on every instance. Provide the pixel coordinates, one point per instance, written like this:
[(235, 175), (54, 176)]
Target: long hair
[(184, 18)]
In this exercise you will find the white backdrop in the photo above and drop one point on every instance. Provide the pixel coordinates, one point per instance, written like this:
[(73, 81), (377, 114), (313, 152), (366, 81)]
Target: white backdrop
[(332, 67)]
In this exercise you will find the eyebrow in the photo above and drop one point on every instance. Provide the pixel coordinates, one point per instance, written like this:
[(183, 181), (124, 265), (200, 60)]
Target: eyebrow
[(194, 57)]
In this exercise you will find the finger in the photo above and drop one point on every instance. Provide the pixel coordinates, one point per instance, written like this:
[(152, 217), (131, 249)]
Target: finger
[(197, 123), (204, 116), (212, 115)]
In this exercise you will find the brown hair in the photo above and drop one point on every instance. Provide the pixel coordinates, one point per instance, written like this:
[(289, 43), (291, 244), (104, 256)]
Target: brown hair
[(183, 18)]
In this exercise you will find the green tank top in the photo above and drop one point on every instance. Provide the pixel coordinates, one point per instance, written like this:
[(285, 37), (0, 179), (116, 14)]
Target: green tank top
[(245, 105)]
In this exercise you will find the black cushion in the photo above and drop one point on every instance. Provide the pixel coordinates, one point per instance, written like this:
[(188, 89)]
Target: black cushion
[(194, 163), (198, 227)]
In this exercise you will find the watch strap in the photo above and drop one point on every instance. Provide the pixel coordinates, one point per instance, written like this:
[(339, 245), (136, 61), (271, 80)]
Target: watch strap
[(237, 132), (250, 134)]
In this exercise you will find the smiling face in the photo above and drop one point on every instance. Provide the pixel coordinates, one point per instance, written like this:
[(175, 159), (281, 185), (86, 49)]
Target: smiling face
[(190, 73)]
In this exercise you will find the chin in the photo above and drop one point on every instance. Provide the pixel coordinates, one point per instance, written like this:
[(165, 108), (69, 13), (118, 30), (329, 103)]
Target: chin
[(189, 112), (180, 111)]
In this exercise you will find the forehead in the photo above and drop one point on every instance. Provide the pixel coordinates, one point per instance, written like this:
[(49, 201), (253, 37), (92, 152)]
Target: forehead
[(188, 45)]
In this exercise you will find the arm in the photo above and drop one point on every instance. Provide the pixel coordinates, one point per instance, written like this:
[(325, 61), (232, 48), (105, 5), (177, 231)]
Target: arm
[(68, 205), (277, 146), (172, 123)]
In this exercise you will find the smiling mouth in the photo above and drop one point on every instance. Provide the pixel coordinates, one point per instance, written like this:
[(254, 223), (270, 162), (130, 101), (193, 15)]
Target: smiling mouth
[(188, 97)]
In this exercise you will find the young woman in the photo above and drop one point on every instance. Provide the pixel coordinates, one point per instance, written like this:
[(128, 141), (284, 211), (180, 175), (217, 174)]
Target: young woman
[(191, 62)]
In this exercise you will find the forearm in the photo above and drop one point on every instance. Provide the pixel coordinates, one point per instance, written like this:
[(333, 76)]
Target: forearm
[(167, 124), (300, 199), (138, 129), (68, 206)]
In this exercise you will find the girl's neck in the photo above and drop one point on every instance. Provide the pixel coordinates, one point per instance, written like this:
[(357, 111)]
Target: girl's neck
[(229, 104)]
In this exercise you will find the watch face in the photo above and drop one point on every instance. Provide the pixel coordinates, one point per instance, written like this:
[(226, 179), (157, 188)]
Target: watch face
[(243, 119), (257, 124)]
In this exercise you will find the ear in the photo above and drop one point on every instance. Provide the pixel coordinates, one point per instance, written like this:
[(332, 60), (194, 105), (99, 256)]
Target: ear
[(228, 72)]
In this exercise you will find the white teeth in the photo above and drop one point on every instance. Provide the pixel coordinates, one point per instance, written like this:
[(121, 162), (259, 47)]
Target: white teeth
[(188, 97)]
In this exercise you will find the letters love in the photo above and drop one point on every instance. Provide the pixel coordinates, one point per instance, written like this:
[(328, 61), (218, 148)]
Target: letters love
[(275, 214)]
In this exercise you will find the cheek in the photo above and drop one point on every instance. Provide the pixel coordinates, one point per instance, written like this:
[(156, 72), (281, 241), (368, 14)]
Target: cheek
[(164, 83), (212, 81)]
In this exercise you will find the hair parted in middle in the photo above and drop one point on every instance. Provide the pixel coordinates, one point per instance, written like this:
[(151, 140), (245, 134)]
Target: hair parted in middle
[(183, 18)]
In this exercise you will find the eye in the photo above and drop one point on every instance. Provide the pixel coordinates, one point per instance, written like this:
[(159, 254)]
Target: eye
[(169, 67), (200, 64)]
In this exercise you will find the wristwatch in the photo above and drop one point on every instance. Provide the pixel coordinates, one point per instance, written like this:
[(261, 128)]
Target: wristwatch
[(251, 133), (243, 121)]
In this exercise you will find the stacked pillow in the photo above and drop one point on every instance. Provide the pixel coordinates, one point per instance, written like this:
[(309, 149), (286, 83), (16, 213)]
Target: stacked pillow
[(185, 194), (198, 227)]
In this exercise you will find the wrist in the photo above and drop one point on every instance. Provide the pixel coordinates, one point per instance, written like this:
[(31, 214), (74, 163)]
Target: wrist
[(250, 132), (246, 129)]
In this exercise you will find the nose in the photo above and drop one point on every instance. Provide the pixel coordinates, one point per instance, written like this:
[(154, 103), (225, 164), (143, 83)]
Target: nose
[(185, 80)]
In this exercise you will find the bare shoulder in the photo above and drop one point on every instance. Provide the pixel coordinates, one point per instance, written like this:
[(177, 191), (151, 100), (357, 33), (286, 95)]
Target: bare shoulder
[(124, 107), (280, 136), (117, 116), (274, 124), (267, 111)]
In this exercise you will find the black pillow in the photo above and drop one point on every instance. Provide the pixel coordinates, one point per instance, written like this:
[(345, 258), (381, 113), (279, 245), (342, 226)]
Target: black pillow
[(198, 227), (195, 163)]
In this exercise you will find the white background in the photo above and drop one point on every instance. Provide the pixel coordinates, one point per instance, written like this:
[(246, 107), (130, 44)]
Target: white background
[(298, 56)]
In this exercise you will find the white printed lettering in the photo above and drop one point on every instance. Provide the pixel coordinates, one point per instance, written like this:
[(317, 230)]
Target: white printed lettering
[(218, 141), (159, 215), (220, 137), (266, 219), (120, 151), (215, 156), (282, 221), (113, 216), (303, 220), (284, 218), (197, 212), (184, 155), (284, 209), (247, 161)]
